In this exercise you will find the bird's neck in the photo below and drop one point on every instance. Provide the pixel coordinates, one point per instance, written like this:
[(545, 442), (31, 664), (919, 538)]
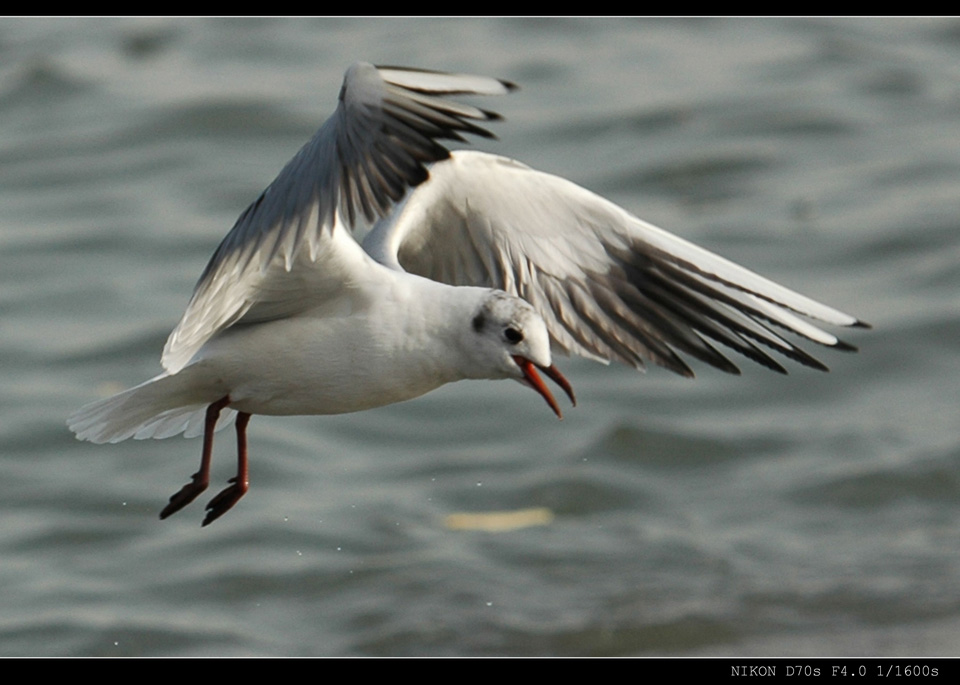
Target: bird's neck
[(434, 328)]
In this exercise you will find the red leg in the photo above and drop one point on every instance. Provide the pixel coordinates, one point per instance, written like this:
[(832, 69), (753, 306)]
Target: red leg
[(201, 479), (221, 504)]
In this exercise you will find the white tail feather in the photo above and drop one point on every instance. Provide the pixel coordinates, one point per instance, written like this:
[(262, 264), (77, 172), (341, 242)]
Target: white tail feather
[(163, 406)]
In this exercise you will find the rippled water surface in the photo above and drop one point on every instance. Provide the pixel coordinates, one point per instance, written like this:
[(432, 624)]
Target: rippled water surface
[(810, 514)]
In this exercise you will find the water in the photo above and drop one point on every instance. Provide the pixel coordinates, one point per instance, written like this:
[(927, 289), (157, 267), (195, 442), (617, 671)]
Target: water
[(812, 514)]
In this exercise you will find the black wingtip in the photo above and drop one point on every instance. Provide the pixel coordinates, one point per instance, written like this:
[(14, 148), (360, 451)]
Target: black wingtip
[(844, 346), (723, 364), (509, 85), (491, 116)]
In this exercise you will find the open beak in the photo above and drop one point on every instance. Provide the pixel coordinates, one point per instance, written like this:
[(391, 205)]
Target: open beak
[(533, 379)]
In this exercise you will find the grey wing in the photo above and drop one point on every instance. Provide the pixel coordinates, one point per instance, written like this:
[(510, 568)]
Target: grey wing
[(362, 160), (610, 286)]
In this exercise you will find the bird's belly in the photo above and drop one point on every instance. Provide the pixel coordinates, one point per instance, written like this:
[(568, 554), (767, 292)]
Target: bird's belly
[(301, 366)]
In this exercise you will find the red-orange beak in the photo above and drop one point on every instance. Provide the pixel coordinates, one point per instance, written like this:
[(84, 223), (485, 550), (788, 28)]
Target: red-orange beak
[(533, 379)]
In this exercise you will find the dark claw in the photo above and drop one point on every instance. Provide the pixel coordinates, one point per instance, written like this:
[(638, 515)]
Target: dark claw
[(187, 494), (222, 503)]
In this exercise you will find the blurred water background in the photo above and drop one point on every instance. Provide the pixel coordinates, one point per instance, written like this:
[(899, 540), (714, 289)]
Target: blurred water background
[(812, 514)]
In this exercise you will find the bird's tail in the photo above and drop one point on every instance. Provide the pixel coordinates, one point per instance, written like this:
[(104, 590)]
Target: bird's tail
[(163, 406)]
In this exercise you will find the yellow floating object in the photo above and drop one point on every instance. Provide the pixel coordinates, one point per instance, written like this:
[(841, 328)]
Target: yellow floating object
[(499, 521)]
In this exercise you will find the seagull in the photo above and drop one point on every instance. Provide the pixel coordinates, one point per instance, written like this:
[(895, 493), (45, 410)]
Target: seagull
[(477, 267)]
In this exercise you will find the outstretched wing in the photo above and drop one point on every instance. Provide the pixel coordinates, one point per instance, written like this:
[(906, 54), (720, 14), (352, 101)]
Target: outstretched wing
[(361, 161), (609, 285)]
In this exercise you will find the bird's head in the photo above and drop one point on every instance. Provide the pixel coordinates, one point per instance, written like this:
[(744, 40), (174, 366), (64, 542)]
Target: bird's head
[(509, 339)]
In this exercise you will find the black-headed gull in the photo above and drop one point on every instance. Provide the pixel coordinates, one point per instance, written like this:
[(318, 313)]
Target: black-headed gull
[(477, 267)]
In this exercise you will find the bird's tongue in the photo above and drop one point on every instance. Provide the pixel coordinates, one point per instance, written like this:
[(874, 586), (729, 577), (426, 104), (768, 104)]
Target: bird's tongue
[(531, 376)]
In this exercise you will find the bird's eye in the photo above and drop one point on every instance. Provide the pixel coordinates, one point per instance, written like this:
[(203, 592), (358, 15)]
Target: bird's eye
[(512, 335)]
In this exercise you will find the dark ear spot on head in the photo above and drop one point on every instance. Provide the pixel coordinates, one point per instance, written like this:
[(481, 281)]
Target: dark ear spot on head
[(479, 322)]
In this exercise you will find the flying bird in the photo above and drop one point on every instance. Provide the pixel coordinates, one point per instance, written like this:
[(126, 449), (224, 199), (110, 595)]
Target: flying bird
[(478, 267)]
